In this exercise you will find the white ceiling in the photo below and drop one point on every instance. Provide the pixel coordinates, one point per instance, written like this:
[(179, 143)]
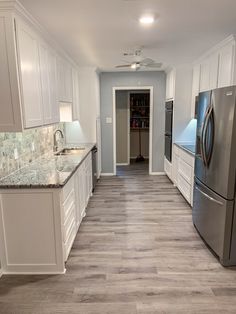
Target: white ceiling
[(97, 32)]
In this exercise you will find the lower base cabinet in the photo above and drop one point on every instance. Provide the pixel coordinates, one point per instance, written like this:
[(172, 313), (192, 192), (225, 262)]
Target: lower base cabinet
[(168, 168), (183, 172), (38, 226)]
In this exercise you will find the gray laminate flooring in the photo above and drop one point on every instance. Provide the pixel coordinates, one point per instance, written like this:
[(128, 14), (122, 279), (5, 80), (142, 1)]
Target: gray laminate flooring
[(136, 253)]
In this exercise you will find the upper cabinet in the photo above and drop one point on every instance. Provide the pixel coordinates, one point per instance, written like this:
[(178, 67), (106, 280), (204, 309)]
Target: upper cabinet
[(216, 68), (64, 80), (170, 84), (75, 95), (195, 87), (31, 91), (209, 72), (34, 77), (227, 65)]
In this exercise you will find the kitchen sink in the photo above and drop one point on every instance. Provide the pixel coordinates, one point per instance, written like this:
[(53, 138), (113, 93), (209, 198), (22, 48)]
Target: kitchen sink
[(71, 151)]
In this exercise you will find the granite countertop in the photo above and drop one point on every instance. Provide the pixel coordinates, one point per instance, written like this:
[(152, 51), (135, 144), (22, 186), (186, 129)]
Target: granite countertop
[(49, 171), (190, 148)]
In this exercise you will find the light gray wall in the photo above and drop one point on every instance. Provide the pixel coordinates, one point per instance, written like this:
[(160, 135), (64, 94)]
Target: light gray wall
[(122, 126), (119, 79)]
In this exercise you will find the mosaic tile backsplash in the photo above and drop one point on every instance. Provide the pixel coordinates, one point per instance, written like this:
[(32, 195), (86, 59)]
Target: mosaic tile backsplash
[(30, 145)]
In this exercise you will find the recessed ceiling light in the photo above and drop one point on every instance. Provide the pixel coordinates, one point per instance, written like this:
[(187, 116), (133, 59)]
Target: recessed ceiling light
[(147, 19)]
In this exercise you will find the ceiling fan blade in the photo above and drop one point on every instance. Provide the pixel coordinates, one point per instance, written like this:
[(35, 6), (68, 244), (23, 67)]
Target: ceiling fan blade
[(123, 66), (147, 61), (154, 65)]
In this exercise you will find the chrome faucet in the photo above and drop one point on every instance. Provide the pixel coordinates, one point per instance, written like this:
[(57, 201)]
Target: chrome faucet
[(55, 144)]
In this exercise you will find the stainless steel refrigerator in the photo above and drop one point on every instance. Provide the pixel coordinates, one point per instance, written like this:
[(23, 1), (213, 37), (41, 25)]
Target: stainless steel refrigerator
[(214, 209)]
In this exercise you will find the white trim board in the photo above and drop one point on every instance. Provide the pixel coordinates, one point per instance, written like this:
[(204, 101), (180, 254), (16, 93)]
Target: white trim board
[(157, 174), (114, 89), (1, 272), (106, 174)]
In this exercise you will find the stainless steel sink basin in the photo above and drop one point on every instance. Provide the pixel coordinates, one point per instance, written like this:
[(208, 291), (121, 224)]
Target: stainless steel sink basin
[(71, 151)]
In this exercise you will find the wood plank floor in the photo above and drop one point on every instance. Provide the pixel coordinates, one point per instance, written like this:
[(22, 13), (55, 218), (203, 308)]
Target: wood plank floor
[(136, 253)]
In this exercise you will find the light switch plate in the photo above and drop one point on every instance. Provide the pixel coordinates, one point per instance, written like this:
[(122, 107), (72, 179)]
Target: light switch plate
[(108, 120)]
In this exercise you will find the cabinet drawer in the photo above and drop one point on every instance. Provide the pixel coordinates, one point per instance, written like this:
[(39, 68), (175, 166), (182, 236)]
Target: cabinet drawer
[(68, 223), (189, 159), (185, 188), (66, 207), (67, 189), (185, 170), (68, 244), (176, 150), (168, 168)]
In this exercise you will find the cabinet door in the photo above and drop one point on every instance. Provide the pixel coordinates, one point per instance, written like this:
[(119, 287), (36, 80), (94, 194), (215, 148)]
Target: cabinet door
[(214, 67), (60, 79), (10, 109), (195, 87), (170, 85), (78, 195), (43, 56), (75, 107), (68, 82), (30, 76), (226, 67), (52, 72), (205, 75), (175, 165)]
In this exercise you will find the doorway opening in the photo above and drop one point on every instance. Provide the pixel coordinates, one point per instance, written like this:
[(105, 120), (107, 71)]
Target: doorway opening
[(132, 129)]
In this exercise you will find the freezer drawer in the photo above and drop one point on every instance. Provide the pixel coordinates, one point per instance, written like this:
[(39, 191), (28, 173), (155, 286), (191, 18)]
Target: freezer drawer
[(212, 217)]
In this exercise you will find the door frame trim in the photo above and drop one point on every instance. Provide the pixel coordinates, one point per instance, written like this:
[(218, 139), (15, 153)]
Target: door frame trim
[(117, 88)]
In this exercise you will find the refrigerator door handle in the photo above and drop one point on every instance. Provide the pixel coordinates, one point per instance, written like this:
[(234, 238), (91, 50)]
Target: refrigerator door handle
[(209, 119), (202, 139), (209, 197)]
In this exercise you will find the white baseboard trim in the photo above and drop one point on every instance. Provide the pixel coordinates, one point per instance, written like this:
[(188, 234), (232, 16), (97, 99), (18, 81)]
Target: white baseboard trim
[(106, 174), (35, 272), (1, 272), (123, 164), (157, 173)]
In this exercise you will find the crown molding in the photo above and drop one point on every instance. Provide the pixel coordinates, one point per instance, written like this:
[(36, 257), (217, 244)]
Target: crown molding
[(215, 48), (18, 10)]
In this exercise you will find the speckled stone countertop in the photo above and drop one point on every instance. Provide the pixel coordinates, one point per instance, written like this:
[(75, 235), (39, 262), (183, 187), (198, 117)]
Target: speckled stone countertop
[(49, 171)]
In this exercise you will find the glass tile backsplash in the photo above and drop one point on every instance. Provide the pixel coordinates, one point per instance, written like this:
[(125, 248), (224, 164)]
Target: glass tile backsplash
[(19, 149)]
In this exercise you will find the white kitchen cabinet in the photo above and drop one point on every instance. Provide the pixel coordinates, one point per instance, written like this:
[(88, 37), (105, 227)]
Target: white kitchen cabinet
[(183, 172), (195, 87), (10, 108), (214, 68), (205, 75), (227, 65), (170, 84), (75, 105), (64, 80), (68, 214), (48, 83), (168, 168), (28, 73), (217, 67), (53, 93), (51, 216), (175, 164), (28, 54)]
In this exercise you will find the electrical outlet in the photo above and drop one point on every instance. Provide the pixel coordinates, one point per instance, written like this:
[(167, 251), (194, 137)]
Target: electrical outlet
[(32, 147), (16, 155)]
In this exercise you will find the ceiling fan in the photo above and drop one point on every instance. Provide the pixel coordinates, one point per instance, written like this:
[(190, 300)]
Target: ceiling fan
[(143, 63)]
